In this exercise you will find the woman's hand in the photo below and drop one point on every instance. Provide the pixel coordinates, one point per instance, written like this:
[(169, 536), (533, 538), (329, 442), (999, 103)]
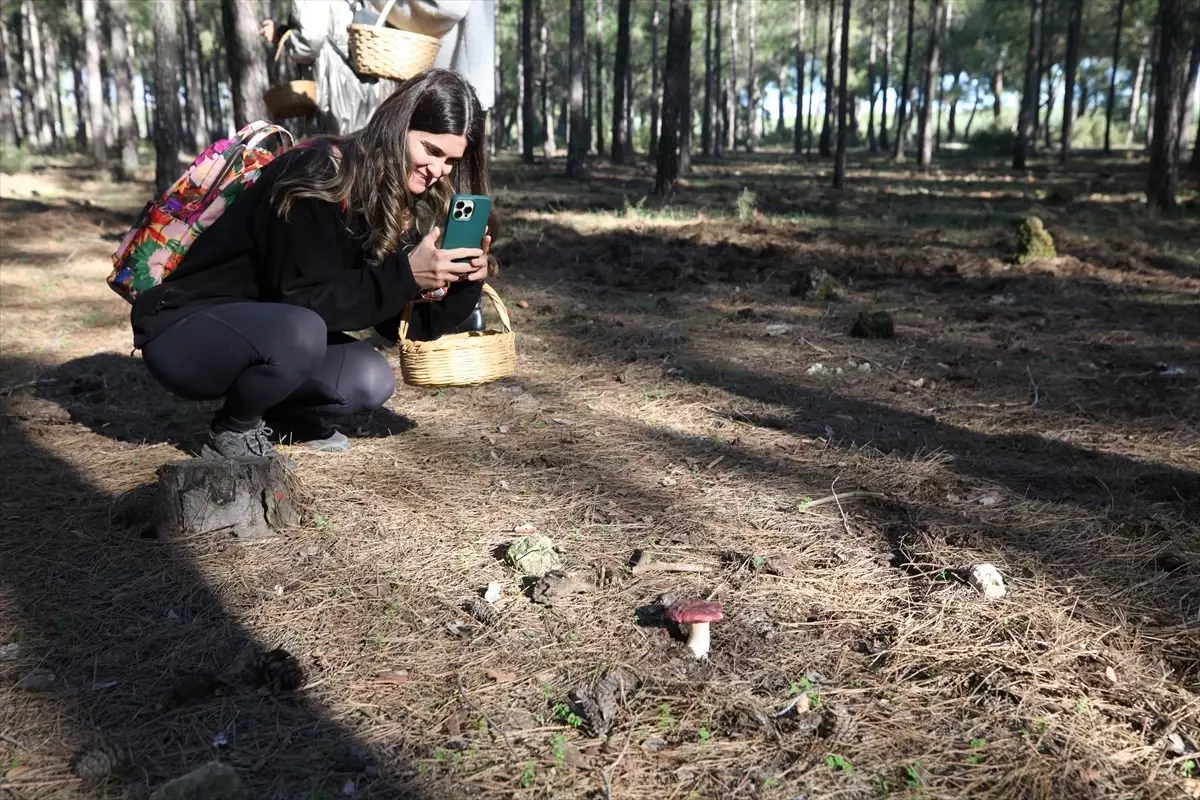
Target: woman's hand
[(433, 268), (480, 263)]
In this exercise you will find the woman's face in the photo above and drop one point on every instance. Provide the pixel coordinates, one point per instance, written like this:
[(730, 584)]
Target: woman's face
[(432, 156)]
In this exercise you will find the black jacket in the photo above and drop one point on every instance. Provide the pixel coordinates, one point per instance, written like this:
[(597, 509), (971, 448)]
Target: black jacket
[(309, 259)]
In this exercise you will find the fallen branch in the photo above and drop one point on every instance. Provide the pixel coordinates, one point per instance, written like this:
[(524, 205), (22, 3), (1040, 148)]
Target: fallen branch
[(668, 566), (837, 498)]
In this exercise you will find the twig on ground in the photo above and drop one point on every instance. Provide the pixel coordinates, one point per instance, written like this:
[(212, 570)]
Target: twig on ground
[(845, 522), (7, 390), (606, 772), (492, 726), (837, 498), (670, 566), (1033, 387)]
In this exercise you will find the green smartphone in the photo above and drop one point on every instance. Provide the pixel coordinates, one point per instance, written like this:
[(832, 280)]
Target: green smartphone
[(467, 223)]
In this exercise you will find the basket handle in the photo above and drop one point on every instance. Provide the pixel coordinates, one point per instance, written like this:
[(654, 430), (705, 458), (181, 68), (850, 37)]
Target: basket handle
[(488, 292), (282, 41), (387, 9)]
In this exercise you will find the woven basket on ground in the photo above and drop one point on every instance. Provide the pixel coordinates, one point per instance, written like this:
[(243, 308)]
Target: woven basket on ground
[(389, 52), (460, 359), (293, 98)]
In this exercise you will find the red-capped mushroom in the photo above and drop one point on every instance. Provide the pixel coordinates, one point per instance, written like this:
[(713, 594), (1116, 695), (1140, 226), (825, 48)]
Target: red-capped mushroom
[(698, 614)]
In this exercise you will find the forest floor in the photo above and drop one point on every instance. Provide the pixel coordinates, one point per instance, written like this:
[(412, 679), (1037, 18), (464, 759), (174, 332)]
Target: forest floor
[(673, 396)]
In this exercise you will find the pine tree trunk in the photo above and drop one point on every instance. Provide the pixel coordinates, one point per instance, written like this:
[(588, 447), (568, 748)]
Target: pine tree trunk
[(577, 63), (52, 71), (110, 101), (656, 97), (80, 92), (974, 108), (168, 47), (780, 123), (142, 128), (1135, 100), (247, 59), (1026, 130), (933, 73), (1163, 180), (825, 147), (883, 81), (998, 85), (525, 75), (1046, 71), (752, 113), (1074, 30), (44, 122), (812, 82), (801, 57), (1187, 105), (839, 159), (952, 114), (706, 140), (872, 142), (620, 83), (496, 114), (720, 102), (902, 114), (196, 105), (95, 89), (1051, 95), (1150, 93), (676, 85), (598, 108), (8, 122), (123, 75), (549, 147), (23, 115), (731, 89)]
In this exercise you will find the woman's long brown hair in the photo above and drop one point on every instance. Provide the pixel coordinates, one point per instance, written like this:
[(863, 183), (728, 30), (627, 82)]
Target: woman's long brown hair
[(367, 171)]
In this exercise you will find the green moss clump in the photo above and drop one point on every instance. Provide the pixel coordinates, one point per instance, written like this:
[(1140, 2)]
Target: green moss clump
[(1034, 242), (873, 325), (816, 284)]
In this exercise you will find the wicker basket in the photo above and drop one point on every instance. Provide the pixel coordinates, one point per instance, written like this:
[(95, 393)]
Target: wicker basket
[(460, 359), (389, 52), (291, 99)]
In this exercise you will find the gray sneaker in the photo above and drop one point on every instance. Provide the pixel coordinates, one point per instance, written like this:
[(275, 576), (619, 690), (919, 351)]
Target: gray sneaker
[(243, 445)]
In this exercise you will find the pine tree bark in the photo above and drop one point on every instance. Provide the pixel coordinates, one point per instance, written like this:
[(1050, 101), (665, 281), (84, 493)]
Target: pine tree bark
[(598, 107), (24, 81), (998, 85), (720, 114), (706, 139), (621, 83), (932, 80), (839, 159), (801, 57), (81, 137), (8, 122), (123, 77), (974, 108), (1187, 106), (168, 47), (780, 122), (1074, 31), (577, 62), (731, 88), (676, 118), (825, 147), (496, 114), (1026, 130), (43, 133), (549, 147), (247, 59), (883, 83), (52, 71), (1135, 100), (1163, 179), (902, 114), (526, 79), (752, 111), (656, 97), (195, 96), (812, 82), (872, 142), (952, 114)]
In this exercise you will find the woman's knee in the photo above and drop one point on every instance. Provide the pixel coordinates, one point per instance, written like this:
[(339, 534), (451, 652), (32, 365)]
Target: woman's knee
[(368, 379)]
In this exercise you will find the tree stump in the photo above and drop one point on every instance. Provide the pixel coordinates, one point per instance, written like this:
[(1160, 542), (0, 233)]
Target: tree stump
[(246, 499)]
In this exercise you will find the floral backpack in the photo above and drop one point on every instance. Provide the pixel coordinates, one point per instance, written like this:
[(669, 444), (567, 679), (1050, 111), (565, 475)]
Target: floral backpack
[(167, 227)]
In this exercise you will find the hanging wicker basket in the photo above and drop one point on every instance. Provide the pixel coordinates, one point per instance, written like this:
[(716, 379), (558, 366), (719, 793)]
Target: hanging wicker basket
[(383, 52), (293, 98), (460, 359)]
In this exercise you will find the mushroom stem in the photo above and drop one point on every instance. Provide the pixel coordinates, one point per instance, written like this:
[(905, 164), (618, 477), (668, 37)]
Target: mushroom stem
[(698, 639)]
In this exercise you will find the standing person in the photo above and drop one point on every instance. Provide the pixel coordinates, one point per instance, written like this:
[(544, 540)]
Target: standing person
[(345, 101), (337, 235)]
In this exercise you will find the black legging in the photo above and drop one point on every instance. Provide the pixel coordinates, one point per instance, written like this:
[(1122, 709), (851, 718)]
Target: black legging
[(260, 356)]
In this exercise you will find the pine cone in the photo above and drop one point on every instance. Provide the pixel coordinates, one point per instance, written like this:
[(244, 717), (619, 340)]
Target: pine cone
[(98, 761), (279, 671)]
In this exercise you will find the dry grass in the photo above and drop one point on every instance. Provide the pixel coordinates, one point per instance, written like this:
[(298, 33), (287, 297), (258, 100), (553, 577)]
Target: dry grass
[(655, 409)]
